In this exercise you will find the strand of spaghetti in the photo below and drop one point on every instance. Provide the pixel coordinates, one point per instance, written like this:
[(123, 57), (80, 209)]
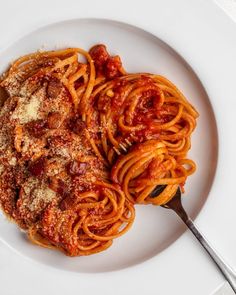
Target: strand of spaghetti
[(111, 234), (95, 149), (37, 55), (164, 197), (35, 238), (178, 145), (184, 132), (172, 122), (90, 247), (127, 166), (167, 82), (131, 168), (71, 69), (99, 204), (135, 154), (190, 163), (85, 100), (130, 210), (18, 138), (189, 108), (78, 225), (134, 98), (96, 250), (70, 85), (127, 128), (108, 129), (159, 162), (165, 181), (79, 73)]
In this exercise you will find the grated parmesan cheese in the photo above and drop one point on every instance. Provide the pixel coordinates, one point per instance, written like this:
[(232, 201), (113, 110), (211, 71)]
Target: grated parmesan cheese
[(13, 161), (44, 194), (63, 152), (29, 185), (27, 112)]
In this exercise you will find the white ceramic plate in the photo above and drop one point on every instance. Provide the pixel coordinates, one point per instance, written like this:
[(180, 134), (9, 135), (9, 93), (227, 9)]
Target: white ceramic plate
[(155, 229)]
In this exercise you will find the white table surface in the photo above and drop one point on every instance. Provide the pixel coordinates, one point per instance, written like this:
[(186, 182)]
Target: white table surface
[(229, 6), (12, 263)]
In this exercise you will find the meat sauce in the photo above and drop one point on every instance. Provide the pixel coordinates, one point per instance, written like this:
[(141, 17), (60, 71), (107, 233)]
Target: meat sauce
[(109, 66)]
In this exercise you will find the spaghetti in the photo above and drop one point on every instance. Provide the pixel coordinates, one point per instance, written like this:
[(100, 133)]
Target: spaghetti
[(82, 142)]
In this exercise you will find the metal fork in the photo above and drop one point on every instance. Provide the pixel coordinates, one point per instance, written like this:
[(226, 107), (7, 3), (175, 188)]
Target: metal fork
[(124, 146), (176, 205)]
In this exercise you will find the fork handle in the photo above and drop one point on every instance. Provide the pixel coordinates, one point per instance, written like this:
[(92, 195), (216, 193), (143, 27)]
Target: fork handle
[(226, 270)]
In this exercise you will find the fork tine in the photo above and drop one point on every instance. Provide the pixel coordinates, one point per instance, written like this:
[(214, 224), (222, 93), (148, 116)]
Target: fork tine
[(128, 142), (117, 151), (123, 147)]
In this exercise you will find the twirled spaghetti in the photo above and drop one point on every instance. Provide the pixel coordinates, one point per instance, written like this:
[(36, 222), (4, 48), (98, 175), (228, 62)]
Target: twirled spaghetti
[(82, 142)]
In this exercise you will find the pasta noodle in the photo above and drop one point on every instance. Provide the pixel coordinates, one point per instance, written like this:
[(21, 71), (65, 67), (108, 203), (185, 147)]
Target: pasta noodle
[(82, 142)]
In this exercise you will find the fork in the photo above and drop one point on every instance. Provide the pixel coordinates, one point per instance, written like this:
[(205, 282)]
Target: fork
[(123, 146), (176, 205)]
